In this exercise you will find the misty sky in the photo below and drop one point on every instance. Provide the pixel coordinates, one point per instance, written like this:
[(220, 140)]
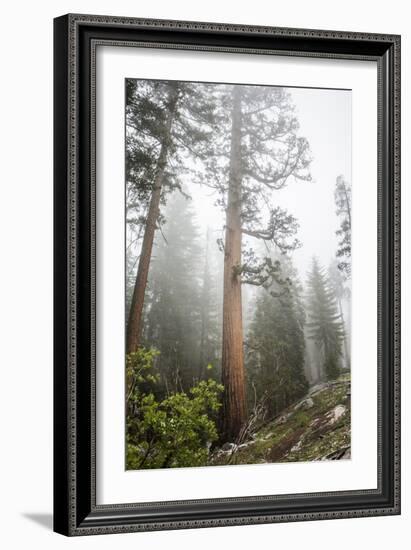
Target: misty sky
[(325, 120)]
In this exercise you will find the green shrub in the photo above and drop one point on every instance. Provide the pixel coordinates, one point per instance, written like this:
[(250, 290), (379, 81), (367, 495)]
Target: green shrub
[(172, 432)]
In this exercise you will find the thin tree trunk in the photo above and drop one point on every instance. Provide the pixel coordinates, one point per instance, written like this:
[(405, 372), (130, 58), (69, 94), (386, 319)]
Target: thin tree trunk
[(234, 408), (346, 351), (347, 201), (137, 303)]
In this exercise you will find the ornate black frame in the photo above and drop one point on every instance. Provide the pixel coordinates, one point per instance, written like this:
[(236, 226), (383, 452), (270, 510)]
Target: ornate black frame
[(75, 41)]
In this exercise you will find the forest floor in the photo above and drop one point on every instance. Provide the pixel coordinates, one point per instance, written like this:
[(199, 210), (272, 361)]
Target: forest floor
[(317, 427)]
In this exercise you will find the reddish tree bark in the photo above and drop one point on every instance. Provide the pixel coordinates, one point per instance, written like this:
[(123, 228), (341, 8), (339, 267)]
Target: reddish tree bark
[(234, 411), (137, 302)]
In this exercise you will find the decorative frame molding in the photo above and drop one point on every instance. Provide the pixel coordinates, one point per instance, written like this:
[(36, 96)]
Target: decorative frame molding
[(75, 43)]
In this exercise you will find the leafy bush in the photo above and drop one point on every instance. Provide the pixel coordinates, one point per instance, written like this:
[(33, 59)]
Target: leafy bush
[(172, 432)]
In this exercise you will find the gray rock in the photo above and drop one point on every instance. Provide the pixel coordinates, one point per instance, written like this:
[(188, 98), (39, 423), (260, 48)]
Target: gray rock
[(297, 447), (305, 404), (335, 414), (314, 390), (228, 447), (282, 419), (245, 445)]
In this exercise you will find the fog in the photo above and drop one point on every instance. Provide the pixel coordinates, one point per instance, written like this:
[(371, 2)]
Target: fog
[(292, 145), (237, 282), (325, 120)]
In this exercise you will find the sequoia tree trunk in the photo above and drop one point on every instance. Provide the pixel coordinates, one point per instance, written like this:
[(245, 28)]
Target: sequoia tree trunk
[(137, 302), (234, 410)]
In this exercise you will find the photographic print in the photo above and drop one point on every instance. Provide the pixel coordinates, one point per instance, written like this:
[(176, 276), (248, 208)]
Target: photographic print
[(238, 267), (211, 308)]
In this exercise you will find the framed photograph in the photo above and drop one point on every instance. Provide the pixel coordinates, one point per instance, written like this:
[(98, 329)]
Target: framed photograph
[(227, 276)]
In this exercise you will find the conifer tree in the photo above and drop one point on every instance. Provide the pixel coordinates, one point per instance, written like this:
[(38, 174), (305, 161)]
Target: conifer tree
[(210, 338), (259, 151), (173, 302), (164, 121), (324, 321), (342, 293), (343, 204), (276, 346)]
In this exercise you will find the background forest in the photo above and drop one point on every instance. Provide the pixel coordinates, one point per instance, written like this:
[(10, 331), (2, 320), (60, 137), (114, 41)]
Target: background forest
[(238, 344)]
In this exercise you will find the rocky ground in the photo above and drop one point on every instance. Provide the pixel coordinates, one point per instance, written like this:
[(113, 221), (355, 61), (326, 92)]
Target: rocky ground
[(318, 427)]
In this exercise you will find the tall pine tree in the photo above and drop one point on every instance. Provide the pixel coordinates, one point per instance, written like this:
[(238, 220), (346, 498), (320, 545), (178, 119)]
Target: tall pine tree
[(342, 197), (342, 295), (324, 324), (259, 151), (275, 345), (210, 337), (165, 120), (173, 303)]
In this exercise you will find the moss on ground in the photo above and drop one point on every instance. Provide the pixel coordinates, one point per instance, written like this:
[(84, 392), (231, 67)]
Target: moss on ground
[(318, 427)]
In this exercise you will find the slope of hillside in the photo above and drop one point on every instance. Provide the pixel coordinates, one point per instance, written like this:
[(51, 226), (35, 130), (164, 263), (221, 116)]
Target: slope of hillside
[(318, 427)]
